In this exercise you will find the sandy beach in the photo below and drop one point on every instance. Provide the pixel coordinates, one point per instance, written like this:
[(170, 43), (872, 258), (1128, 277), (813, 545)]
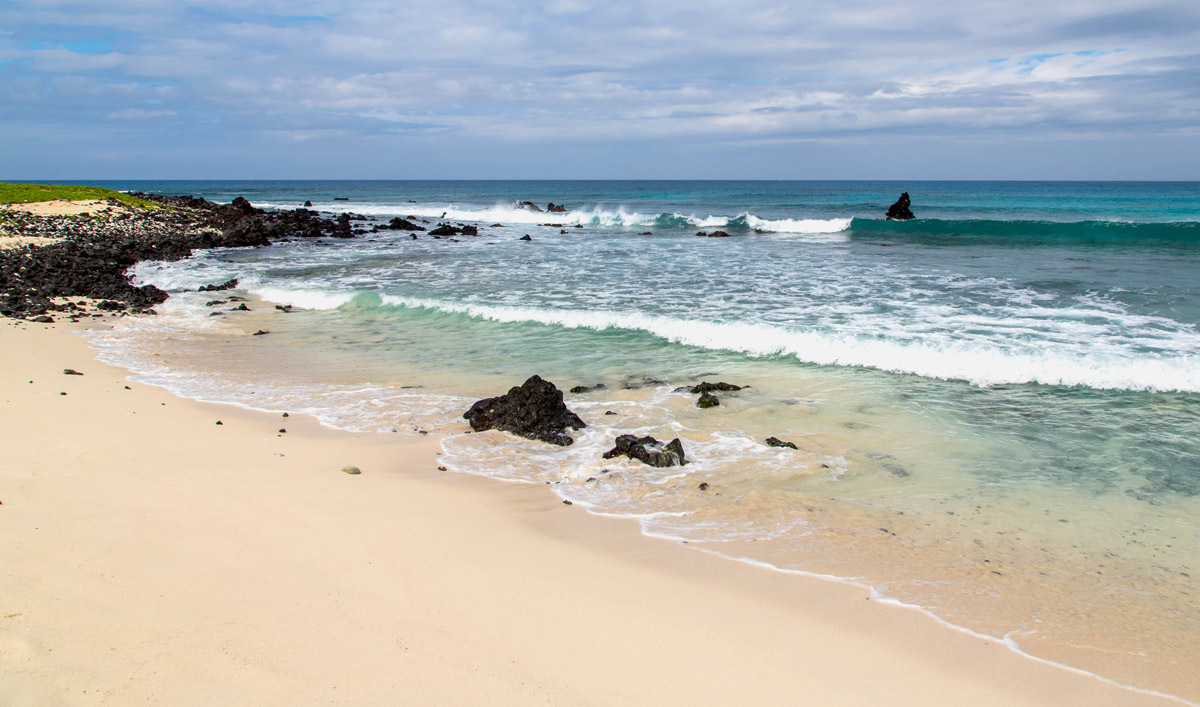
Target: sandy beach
[(151, 555)]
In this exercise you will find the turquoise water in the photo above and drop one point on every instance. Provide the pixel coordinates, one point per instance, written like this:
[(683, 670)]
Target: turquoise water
[(997, 405)]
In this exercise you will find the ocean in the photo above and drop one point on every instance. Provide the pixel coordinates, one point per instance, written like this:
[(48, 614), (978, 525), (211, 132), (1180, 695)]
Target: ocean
[(996, 406)]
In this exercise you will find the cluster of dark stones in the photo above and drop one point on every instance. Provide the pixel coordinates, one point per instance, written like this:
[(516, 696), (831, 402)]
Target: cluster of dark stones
[(91, 255), (535, 410), (714, 234)]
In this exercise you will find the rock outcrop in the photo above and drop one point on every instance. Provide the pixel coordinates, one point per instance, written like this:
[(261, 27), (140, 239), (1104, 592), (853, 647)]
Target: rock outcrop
[(91, 256), (534, 410)]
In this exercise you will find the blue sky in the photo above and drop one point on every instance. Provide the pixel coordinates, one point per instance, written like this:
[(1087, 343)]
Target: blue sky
[(838, 89)]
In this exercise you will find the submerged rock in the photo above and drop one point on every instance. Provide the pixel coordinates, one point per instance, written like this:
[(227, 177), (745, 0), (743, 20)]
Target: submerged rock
[(707, 387), (900, 210), (649, 451), (707, 400), (534, 410), (588, 388)]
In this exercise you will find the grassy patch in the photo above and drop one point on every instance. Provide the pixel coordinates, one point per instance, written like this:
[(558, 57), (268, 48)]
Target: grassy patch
[(26, 193)]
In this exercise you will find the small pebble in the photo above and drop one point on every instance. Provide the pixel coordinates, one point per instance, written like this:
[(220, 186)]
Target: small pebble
[(351, 470), (567, 503), (282, 431), (441, 468), (219, 422), (704, 486), (71, 372)]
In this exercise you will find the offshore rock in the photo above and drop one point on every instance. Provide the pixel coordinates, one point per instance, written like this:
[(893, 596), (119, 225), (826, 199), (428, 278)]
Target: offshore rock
[(529, 206), (534, 410), (649, 451), (717, 234), (556, 208), (900, 210)]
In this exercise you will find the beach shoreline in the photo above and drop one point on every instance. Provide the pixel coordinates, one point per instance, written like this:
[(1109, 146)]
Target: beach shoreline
[(165, 557)]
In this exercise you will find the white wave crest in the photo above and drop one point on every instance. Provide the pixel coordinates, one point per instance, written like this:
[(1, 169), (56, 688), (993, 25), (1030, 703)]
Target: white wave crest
[(980, 364), (594, 217)]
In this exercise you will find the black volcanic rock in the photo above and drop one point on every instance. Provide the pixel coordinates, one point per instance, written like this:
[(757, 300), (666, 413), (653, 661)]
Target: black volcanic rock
[(529, 206), (401, 224), (900, 210), (556, 208), (776, 442), (707, 387), (649, 451), (227, 285), (90, 257), (534, 410), (707, 400)]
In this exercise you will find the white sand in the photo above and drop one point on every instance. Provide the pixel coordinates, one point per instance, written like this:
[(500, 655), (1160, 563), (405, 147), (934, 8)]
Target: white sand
[(148, 555)]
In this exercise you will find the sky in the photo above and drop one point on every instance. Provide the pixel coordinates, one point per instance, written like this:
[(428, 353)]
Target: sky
[(568, 89)]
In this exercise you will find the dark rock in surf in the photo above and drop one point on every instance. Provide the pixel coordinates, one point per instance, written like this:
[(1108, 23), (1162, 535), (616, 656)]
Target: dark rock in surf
[(556, 208), (446, 229), (534, 410), (402, 224), (707, 387), (718, 234), (900, 210), (707, 400), (227, 285), (342, 227), (776, 442), (308, 204), (529, 206), (525, 238), (588, 388), (341, 198), (649, 451)]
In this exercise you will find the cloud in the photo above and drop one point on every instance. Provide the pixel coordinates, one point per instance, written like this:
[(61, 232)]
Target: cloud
[(510, 74)]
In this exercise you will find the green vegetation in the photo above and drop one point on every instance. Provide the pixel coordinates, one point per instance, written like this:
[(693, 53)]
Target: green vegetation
[(25, 193)]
